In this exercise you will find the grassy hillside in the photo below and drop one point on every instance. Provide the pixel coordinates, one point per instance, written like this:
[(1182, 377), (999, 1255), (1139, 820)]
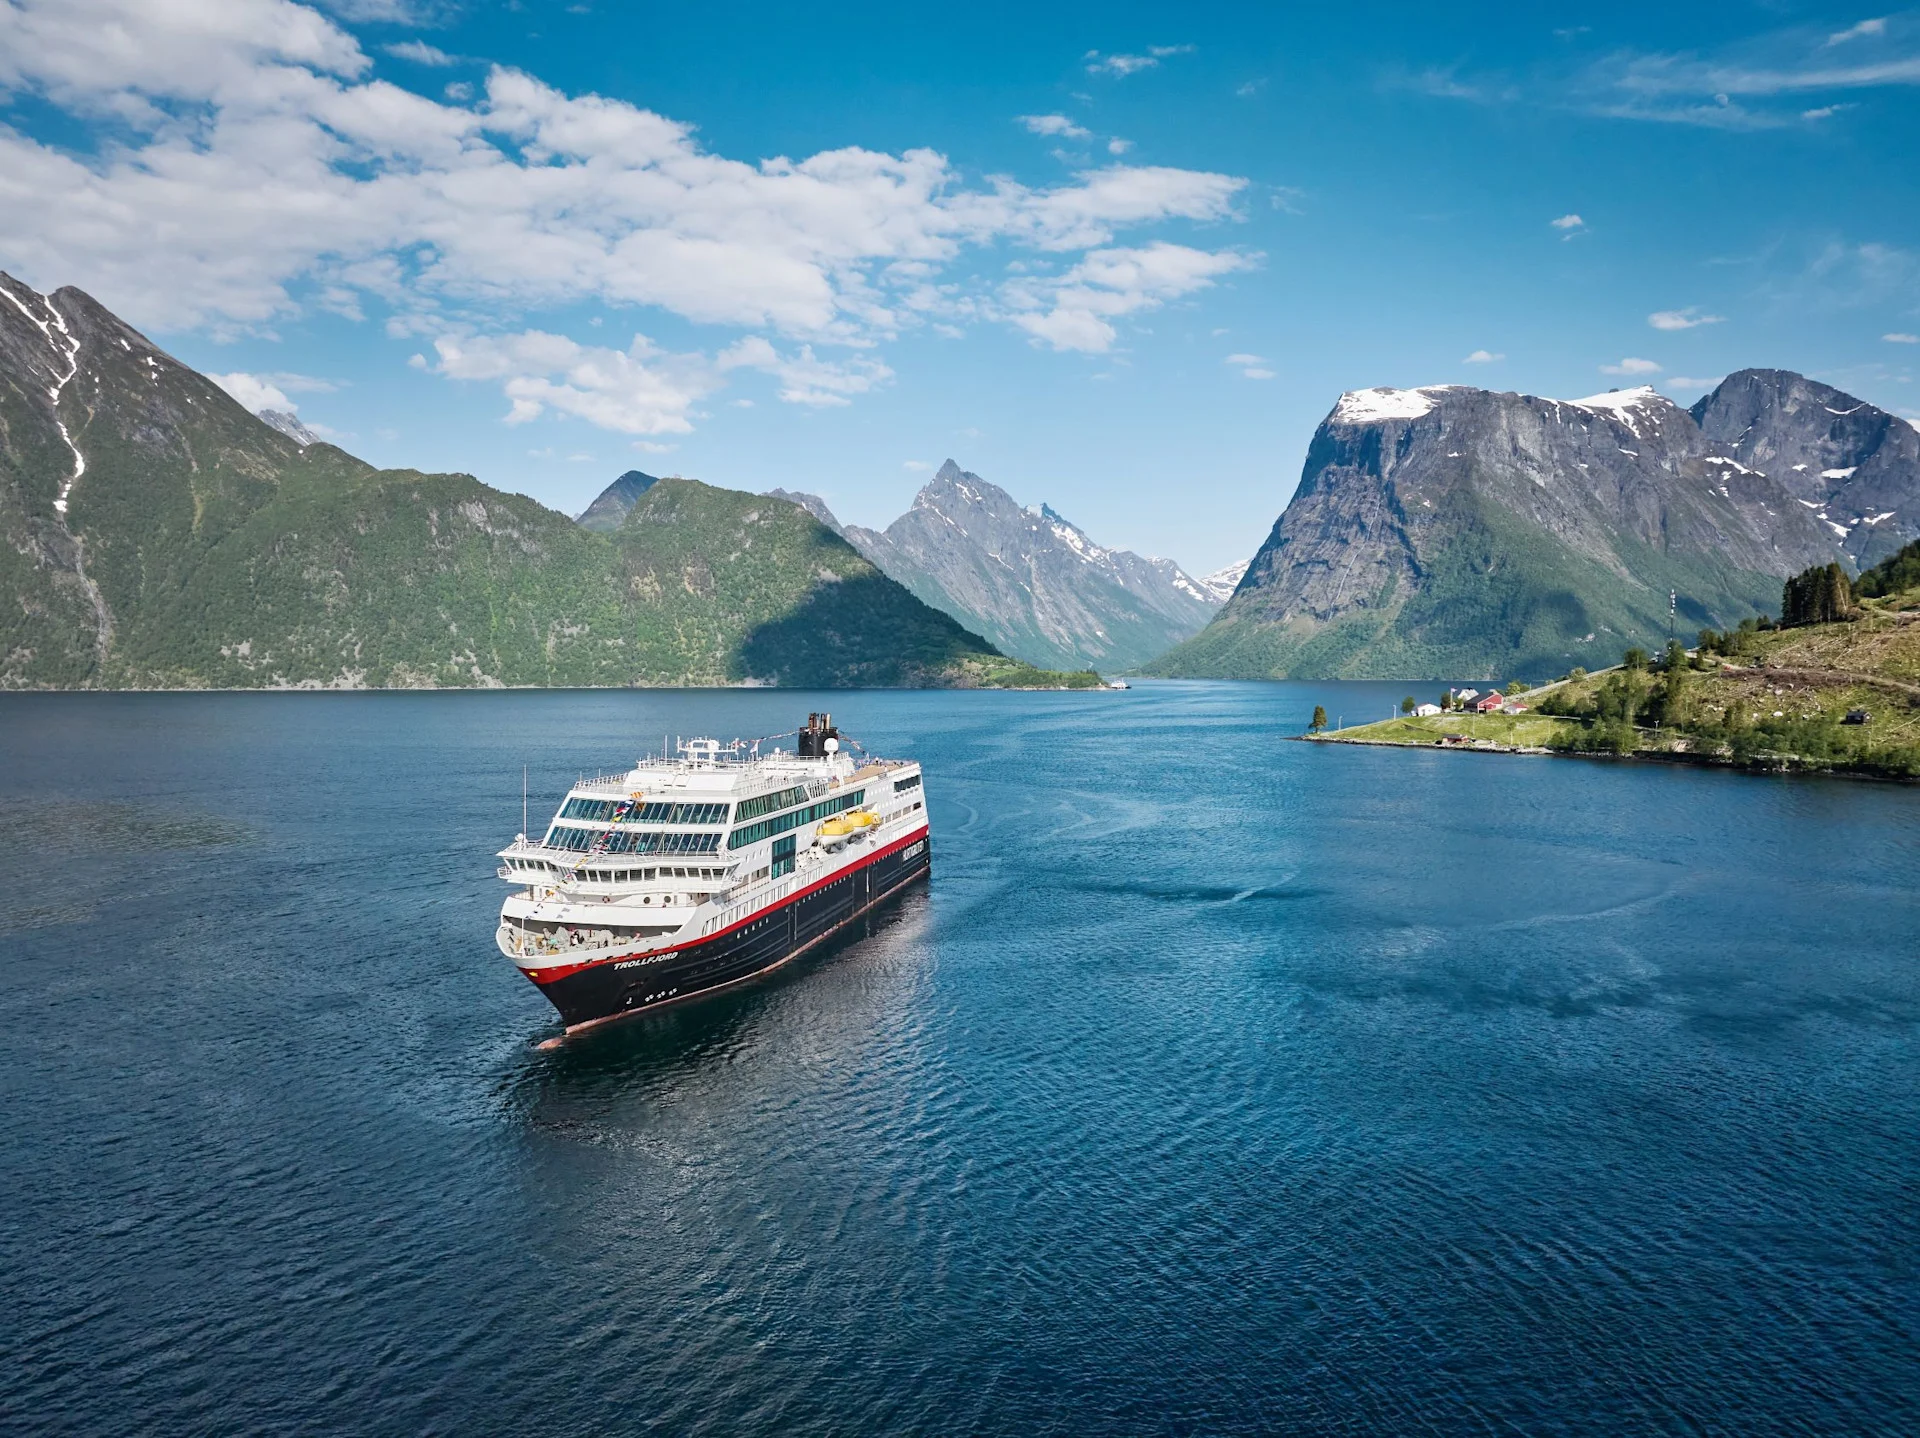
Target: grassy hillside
[(1773, 699)]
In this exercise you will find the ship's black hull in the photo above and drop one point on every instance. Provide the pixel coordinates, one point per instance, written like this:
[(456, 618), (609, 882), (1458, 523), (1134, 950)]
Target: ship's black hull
[(619, 986)]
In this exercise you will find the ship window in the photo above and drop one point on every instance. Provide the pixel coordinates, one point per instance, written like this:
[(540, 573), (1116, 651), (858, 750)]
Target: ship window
[(598, 810), (668, 842), (912, 781), (767, 828), (679, 814), (576, 840), (767, 803)]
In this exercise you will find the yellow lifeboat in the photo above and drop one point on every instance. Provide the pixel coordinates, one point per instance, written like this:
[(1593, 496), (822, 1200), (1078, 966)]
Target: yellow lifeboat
[(839, 826), (861, 819)]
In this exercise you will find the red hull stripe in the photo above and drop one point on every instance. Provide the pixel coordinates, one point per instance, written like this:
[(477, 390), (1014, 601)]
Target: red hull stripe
[(562, 971)]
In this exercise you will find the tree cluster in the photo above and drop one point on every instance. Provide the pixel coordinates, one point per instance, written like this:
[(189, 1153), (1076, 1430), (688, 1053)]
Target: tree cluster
[(1820, 595), (1891, 575)]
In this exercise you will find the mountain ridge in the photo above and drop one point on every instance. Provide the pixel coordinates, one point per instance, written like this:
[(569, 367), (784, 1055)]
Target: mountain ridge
[(1454, 532), (154, 534), (1032, 581)]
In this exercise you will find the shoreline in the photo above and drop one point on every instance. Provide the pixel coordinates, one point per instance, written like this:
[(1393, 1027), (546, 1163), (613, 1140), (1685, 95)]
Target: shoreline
[(1763, 768)]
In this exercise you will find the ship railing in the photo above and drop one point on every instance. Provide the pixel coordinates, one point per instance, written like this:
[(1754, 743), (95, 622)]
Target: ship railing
[(581, 939)]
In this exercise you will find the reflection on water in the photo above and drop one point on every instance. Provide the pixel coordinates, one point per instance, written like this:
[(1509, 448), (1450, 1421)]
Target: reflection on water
[(1214, 1083)]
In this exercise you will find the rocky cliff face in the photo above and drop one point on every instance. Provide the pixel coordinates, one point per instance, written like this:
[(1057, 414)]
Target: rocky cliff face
[(1855, 467), (1455, 532), (1032, 582)]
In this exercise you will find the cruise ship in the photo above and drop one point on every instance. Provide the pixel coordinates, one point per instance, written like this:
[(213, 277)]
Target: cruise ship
[(705, 868)]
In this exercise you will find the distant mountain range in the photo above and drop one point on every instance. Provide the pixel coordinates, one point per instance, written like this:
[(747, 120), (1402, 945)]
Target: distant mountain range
[(153, 533), (1027, 578), (1452, 532)]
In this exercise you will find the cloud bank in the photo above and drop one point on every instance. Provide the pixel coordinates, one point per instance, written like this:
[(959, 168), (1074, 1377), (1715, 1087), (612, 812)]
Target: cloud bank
[(250, 165)]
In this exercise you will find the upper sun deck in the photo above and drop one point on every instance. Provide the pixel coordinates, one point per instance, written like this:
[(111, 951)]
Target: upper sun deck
[(705, 768)]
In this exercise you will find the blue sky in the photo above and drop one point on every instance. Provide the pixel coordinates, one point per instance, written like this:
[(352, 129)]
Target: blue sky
[(1121, 259)]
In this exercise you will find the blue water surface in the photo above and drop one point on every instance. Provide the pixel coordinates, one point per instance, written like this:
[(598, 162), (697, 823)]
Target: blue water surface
[(1216, 1084)]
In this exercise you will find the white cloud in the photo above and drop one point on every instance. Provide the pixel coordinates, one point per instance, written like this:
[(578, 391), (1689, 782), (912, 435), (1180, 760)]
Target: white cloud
[(1256, 373), (1631, 365), (255, 392), (1121, 66), (1251, 88), (1243, 359), (1857, 32), (1074, 311), (648, 446), (1118, 146), (1687, 319), (1054, 125), (1251, 366), (1571, 224), (917, 465), (248, 167), (804, 378), (420, 53), (1681, 382), (1482, 357), (1897, 338), (1821, 112), (640, 390), (643, 389)]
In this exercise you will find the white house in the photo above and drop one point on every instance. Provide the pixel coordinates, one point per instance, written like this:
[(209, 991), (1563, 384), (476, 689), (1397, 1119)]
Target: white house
[(1426, 709)]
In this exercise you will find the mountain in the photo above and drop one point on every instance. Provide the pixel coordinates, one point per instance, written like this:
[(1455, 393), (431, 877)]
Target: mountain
[(287, 424), (1856, 467), (1451, 532), (813, 504), (616, 501), (1033, 583), (155, 534), (1222, 582)]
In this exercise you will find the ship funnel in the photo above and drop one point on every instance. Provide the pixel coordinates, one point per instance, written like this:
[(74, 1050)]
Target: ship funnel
[(813, 738)]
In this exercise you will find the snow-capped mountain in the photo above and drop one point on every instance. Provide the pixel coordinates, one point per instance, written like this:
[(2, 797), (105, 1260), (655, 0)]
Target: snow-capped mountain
[(1222, 582), (1029, 579), (1448, 531)]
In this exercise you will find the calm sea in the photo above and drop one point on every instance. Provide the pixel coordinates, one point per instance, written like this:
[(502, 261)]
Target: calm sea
[(1215, 1084)]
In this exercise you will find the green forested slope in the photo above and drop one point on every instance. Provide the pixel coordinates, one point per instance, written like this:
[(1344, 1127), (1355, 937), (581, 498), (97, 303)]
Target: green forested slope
[(202, 547)]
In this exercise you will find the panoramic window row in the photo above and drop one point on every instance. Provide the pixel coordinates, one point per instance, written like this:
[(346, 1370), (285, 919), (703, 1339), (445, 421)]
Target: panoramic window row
[(601, 811), (901, 786), (767, 828), (578, 841), (679, 814), (624, 843), (767, 803), (640, 876)]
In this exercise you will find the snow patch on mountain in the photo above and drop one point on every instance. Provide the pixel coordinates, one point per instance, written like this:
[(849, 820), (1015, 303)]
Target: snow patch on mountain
[(1222, 582), (1368, 406)]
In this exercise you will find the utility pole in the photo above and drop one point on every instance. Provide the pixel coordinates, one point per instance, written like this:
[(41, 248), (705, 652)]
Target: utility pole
[(1673, 604)]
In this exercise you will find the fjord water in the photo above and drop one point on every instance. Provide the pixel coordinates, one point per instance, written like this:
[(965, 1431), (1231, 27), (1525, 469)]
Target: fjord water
[(1214, 1084)]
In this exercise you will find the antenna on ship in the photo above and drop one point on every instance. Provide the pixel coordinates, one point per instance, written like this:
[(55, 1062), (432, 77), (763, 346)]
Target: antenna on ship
[(523, 801)]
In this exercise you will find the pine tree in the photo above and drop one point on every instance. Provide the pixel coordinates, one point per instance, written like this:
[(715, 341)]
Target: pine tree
[(1319, 718), (1820, 595)]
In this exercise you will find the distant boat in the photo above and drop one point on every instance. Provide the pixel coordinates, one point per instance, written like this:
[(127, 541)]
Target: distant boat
[(1118, 684)]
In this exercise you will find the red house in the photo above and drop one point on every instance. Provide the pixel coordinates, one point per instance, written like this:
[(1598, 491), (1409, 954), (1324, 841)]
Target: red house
[(1487, 703)]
